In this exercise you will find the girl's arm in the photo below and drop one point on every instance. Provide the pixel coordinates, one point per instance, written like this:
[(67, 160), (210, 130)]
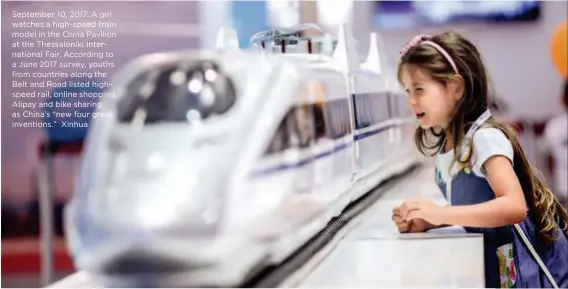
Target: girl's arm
[(424, 225), (509, 206), (431, 226)]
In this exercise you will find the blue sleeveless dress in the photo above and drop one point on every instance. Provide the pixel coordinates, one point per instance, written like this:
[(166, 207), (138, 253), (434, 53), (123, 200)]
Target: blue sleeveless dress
[(508, 262)]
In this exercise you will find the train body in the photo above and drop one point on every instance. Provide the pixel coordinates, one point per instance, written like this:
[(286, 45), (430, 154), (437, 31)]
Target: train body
[(216, 163)]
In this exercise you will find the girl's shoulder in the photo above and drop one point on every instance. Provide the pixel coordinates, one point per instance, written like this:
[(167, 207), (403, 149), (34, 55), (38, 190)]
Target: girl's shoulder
[(488, 142)]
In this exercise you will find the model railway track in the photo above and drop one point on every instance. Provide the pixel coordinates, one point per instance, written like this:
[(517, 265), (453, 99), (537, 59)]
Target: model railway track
[(274, 275)]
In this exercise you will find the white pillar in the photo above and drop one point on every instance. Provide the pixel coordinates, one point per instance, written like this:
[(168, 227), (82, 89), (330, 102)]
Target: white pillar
[(362, 25), (212, 16)]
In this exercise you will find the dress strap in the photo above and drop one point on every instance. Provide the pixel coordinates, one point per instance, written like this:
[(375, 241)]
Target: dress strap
[(480, 121), (441, 148)]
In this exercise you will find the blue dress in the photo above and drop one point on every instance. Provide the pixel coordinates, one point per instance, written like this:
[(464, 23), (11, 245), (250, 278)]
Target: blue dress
[(508, 262)]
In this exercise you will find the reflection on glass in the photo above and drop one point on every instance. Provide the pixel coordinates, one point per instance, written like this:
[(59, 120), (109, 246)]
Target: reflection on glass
[(304, 124), (178, 94)]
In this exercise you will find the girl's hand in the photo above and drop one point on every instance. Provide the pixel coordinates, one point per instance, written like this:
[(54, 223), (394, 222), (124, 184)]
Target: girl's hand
[(413, 226), (423, 209)]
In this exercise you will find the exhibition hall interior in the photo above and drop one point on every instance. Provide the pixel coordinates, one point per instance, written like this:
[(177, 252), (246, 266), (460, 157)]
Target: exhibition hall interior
[(284, 143)]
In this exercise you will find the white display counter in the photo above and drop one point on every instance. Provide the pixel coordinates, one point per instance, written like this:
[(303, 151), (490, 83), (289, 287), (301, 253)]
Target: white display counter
[(373, 254)]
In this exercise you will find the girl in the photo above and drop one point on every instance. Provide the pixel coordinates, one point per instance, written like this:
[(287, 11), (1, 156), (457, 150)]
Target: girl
[(480, 168)]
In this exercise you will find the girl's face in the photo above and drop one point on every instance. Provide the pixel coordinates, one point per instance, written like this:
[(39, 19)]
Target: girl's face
[(432, 102)]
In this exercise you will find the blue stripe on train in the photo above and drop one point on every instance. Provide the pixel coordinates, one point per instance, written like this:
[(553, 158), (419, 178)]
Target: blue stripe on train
[(302, 162), (372, 132)]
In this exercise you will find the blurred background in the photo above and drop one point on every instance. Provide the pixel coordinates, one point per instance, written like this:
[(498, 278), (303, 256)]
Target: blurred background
[(518, 39)]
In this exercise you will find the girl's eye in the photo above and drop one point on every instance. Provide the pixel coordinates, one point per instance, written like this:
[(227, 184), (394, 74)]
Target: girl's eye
[(419, 89)]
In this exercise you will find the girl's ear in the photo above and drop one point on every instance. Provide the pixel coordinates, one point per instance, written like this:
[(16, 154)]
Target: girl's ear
[(456, 87)]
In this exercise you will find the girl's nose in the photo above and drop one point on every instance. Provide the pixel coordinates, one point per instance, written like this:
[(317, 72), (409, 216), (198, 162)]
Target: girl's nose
[(412, 101)]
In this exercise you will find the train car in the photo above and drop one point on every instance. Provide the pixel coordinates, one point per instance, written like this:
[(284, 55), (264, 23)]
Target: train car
[(214, 164)]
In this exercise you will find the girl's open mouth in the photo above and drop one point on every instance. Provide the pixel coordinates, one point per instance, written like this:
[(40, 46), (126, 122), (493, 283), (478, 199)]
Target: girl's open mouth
[(420, 115)]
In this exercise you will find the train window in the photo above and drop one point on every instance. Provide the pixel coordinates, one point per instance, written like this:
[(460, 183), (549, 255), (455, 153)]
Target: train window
[(303, 124), (176, 94), (388, 106), (380, 107), (281, 139), (337, 112), (320, 123), (403, 108), (345, 119), (317, 92), (393, 105), (371, 109), (362, 113), (332, 116)]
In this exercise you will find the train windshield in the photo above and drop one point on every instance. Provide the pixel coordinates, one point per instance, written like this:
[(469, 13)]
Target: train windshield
[(178, 94)]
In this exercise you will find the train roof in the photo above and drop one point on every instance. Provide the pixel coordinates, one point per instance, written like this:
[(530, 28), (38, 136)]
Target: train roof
[(343, 57)]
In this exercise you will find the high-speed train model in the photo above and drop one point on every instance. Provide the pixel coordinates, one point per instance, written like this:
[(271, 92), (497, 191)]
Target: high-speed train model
[(215, 162)]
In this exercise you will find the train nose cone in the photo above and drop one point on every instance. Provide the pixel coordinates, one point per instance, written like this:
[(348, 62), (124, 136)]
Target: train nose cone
[(175, 197)]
